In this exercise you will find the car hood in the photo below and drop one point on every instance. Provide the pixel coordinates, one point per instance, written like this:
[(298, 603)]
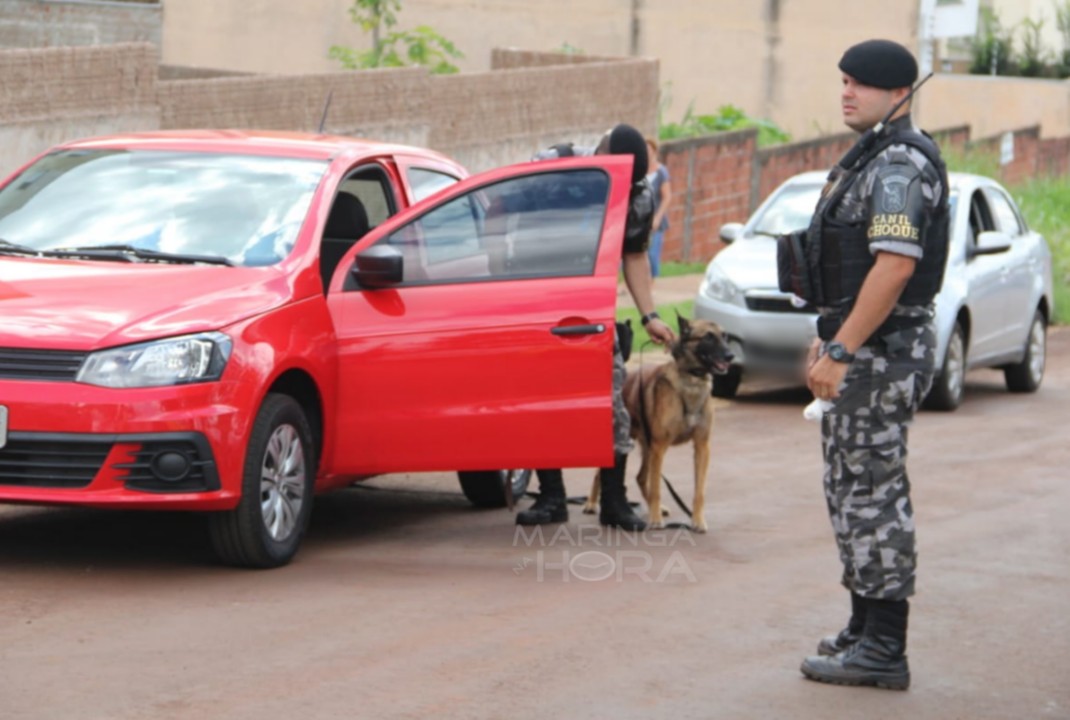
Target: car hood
[(86, 305), (750, 263)]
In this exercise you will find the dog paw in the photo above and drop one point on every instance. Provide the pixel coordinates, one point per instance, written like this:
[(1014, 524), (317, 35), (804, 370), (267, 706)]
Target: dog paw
[(655, 524), (665, 512), (589, 510), (699, 526)]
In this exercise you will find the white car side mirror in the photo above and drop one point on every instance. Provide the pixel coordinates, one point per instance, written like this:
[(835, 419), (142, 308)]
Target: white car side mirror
[(731, 232), (991, 243)]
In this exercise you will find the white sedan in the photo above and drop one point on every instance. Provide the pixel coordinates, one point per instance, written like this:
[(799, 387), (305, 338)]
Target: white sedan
[(993, 309)]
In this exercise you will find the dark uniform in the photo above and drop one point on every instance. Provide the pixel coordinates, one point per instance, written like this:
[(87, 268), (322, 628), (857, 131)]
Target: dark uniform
[(894, 199), (615, 510)]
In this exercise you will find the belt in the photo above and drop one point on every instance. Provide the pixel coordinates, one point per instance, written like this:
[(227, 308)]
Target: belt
[(829, 325)]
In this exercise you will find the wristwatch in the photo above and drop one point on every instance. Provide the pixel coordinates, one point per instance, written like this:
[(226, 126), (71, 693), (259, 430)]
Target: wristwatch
[(837, 351), (649, 316)]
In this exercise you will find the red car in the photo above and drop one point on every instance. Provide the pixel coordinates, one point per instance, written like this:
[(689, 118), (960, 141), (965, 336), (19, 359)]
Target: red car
[(230, 322)]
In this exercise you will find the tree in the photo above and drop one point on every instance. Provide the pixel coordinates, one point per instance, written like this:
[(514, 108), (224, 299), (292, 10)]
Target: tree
[(1033, 62), (394, 48), (992, 46)]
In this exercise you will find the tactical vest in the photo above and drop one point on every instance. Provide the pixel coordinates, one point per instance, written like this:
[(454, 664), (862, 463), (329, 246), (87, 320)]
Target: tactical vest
[(845, 256)]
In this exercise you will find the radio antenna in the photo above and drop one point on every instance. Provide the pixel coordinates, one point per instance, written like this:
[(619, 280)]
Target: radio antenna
[(326, 107)]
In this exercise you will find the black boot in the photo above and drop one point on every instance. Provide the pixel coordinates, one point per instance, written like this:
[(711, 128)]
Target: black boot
[(550, 506), (878, 659), (851, 634), (616, 512)]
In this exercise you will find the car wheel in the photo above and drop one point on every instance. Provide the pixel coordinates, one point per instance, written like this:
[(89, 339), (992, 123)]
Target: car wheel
[(726, 386), (948, 385), (1025, 377), (486, 488), (266, 527)]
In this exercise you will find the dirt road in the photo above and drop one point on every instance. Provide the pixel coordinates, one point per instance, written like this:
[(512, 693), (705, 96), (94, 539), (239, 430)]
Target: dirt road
[(407, 603)]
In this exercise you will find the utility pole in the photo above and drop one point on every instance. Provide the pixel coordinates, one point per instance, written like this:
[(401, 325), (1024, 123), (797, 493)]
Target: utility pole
[(635, 27)]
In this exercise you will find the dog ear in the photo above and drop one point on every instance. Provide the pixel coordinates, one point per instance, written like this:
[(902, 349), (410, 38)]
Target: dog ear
[(685, 326)]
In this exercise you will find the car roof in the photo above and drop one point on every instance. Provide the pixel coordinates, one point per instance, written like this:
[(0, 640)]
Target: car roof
[(257, 142)]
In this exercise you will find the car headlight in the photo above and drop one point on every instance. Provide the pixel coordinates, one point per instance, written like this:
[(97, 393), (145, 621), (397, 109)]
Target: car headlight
[(717, 286), (174, 361)]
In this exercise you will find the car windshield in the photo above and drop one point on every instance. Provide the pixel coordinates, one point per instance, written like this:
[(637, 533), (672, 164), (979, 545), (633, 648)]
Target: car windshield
[(790, 210), (242, 208)]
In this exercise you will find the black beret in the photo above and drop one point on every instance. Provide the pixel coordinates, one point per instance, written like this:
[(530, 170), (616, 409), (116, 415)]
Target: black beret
[(880, 63), (625, 140)]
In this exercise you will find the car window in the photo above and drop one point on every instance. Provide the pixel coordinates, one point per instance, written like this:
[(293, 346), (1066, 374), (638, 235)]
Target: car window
[(1006, 216), (425, 183), (545, 225), (980, 217), (371, 186), (791, 209), (245, 208)]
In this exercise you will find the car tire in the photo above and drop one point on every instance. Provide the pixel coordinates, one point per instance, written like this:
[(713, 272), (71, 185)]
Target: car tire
[(486, 488), (727, 385), (949, 384), (265, 529), (1025, 377)]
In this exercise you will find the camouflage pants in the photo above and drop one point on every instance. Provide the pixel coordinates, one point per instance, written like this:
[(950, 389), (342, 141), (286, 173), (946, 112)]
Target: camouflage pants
[(622, 421), (864, 439)]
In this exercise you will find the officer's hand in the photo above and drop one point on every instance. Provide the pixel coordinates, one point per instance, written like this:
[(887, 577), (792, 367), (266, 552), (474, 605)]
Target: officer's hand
[(824, 378), (813, 354), (660, 332)]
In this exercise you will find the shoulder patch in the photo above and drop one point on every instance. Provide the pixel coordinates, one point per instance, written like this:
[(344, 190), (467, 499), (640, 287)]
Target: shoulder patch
[(894, 181)]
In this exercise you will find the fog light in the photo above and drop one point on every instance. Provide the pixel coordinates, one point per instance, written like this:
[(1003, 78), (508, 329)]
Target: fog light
[(171, 466)]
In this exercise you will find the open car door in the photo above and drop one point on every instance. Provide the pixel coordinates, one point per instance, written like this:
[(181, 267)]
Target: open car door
[(475, 330)]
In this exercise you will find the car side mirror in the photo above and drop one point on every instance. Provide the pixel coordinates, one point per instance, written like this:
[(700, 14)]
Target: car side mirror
[(991, 243), (730, 232), (380, 266)]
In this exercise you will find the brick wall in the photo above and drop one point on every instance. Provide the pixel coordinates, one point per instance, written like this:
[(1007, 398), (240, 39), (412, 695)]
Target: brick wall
[(1026, 163), (711, 180), (59, 23), (710, 189), (56, 94), (1053, 157)]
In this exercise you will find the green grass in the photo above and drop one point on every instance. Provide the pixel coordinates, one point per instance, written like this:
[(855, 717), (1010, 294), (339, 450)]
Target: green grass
[(1045, 203), (667, 313), (672, 269)]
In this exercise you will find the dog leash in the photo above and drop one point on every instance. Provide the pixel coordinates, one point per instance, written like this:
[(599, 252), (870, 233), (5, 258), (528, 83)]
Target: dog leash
[(648, 437)]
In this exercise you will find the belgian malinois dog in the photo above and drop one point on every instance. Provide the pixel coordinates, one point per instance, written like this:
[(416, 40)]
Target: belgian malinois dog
[(670, 404)]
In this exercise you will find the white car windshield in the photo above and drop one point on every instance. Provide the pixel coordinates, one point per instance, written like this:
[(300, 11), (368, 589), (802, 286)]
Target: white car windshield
[(240, 209), (790, 210)]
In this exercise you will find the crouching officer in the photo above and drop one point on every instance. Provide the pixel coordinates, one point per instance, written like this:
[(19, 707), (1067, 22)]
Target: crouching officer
[(551, 505), (877, 248)]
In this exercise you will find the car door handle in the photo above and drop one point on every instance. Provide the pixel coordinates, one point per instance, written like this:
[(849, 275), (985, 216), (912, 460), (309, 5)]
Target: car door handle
[(579, 329)]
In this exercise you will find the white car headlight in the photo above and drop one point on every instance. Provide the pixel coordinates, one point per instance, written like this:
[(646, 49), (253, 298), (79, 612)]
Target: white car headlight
[(174, 361), (717, 286)]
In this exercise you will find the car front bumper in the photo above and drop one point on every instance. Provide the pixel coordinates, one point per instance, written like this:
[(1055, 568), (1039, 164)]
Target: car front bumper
[(155, 448), (766, 333)]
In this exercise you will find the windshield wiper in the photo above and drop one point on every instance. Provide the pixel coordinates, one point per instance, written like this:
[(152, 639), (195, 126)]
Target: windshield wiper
[(765, 233), (6, 246), (123, 252)]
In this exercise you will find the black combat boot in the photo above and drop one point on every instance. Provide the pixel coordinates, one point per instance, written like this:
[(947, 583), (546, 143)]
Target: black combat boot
[(851, 634), (878, 659), (616, 512), (550, 506)]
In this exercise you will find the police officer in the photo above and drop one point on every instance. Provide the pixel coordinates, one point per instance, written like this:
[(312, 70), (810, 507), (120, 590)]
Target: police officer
[(882, 227), (551, 505)]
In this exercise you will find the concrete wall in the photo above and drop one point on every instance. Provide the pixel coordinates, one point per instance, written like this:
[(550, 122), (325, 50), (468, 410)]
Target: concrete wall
[(773, 58), (992, 105), (58, 23)]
